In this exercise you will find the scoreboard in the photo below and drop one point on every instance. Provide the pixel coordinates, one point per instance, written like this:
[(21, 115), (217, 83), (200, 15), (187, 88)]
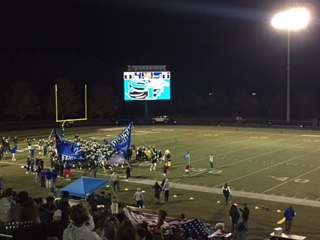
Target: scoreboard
[(147, 85)]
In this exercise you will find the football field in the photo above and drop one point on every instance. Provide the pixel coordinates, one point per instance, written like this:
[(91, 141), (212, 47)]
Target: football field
[(263, 167)]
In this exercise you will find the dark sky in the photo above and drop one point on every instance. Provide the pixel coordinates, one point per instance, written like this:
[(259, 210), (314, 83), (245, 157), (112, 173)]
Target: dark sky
[(205, 44)]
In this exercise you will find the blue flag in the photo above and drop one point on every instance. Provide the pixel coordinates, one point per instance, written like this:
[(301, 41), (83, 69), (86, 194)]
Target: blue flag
[(57, 136), (67, 149), (123, 141), (187, 156)]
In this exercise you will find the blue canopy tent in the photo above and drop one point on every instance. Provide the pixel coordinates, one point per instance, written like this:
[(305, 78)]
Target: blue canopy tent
[(84, 186)]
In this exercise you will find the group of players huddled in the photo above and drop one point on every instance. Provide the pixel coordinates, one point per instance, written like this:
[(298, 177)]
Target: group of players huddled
[(95, 155)]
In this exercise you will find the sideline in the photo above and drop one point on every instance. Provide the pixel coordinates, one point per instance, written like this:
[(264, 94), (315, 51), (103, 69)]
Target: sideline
[(213, 190), (260, 196)]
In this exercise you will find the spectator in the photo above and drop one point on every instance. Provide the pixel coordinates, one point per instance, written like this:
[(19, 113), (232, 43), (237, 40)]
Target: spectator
[(240, 232), (22, 197), (65, 207), (37, 229), (142, 233), (102, 220), (111, 228), (145, 226), (77, 229), (127, 231), (6, 206)]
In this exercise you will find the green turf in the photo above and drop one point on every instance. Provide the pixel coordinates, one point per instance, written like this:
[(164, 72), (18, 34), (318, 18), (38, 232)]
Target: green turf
[(258, 164)]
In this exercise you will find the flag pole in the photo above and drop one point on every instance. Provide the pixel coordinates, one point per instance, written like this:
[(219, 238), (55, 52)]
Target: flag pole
[(49, 138)]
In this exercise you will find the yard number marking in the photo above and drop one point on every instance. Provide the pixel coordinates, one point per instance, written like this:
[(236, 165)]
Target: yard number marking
[(283, 179)]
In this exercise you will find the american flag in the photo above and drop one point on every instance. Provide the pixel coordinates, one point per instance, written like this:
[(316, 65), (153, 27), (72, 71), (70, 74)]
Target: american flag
[(151, 219), (196, 228), (192, 227)]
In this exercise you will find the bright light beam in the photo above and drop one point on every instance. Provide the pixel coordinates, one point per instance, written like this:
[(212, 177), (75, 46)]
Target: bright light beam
[(293, 19)]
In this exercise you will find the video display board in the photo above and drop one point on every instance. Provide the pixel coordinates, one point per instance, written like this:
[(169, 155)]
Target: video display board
[(147, 85)]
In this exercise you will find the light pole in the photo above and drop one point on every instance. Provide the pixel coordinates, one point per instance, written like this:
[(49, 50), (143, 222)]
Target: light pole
[(290, 20)]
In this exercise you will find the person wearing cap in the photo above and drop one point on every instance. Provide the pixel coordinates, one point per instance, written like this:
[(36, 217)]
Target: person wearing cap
[(138, 197)]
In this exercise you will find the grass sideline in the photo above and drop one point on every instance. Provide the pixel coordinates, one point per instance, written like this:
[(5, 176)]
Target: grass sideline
[(274, 163)]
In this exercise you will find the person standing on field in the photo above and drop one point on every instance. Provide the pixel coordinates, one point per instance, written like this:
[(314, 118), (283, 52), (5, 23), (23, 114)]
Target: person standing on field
[(157, 191), (226, 192), (245, 216), (115, 179), (211, 157), (165, 189), (138, 197), (234, 216), (289, 214)]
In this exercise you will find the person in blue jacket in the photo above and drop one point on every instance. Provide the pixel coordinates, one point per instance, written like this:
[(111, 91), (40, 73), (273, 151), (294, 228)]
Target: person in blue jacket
[(48, 178), (32, 151), (54, 176), (13, 153), (289, 214), (43, 178)]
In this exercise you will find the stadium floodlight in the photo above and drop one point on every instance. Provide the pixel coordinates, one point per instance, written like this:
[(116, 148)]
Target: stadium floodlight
[(290, 20)]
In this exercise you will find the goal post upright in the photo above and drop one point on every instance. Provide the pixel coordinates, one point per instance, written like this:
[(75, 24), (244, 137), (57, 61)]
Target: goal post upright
[(63, 121)]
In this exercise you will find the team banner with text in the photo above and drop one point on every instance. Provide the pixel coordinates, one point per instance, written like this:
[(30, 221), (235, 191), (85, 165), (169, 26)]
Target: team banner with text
[(123, 141), (67, 150)]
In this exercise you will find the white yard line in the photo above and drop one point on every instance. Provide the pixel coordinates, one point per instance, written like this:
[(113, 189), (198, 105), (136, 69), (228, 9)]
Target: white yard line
[(263, 169), (306, 173)]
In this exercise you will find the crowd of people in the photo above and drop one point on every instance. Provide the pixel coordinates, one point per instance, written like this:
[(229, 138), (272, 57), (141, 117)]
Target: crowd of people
[(48, 218)]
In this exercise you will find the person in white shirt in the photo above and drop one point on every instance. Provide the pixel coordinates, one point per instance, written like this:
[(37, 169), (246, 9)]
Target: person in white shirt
[(165, 189), (226, 192), (211, 157)]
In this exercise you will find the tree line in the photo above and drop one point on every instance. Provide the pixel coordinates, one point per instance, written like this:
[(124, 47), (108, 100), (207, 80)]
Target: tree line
[(28, 80)]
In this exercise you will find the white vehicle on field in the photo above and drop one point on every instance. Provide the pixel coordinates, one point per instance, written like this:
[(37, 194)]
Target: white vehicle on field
[(160, 119)]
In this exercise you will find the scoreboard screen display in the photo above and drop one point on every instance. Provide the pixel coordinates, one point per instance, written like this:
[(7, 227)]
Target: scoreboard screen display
[(147, 85)]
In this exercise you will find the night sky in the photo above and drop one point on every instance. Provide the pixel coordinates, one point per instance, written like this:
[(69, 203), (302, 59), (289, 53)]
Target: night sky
[(211, 44)]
